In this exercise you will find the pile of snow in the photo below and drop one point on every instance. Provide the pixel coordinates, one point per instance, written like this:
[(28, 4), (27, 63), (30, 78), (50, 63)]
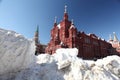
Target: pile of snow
[(16, 52), (17, 62), (65, 66)]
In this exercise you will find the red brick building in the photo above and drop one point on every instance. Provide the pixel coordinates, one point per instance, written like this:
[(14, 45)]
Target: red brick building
[(66, 35)]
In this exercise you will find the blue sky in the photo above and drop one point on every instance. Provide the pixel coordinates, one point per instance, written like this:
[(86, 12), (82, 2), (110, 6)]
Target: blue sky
[(101, 17)]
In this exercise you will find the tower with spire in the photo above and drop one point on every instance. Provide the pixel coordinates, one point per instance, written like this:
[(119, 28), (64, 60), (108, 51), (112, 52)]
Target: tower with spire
[(64, 34), (115, 42), (40, 48), (36, 37)]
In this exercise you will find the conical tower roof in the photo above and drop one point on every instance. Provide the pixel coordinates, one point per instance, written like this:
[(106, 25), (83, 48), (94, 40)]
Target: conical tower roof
[(37, 30), (110, 37), (115, 37)]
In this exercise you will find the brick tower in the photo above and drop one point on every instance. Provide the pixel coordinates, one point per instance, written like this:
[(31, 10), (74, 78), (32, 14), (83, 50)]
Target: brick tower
[(40, 48), (36, 37)]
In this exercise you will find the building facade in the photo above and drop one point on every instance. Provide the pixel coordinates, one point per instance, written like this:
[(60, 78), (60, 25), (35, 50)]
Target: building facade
[(66, 35)]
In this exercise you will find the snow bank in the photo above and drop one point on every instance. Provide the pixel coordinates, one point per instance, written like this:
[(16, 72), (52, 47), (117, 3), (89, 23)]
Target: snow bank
[(16, 52), (17, 62), (62, 54), (64, 66)]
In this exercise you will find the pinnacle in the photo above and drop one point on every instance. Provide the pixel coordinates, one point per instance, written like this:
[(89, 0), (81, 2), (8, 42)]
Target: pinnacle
[(37, 28), (115, 37), (72, 22), (55, 21), (65, 9)]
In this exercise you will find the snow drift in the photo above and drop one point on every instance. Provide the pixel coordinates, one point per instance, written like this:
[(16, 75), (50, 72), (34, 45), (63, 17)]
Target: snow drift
[(16, 52), (70, 67), (17, 62)]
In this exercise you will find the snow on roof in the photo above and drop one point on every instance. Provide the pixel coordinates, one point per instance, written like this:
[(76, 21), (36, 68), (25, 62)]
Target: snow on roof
[(59, 26), (89, 34), (99, 38), (72, 26), (103, 39)]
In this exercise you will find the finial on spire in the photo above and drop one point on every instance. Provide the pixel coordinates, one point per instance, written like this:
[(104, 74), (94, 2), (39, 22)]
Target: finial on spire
[(55, 19), (65, 9), (65, 13), (72, 24), (72, 21)]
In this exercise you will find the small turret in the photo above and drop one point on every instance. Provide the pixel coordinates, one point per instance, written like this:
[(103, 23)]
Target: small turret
[(72, 24)]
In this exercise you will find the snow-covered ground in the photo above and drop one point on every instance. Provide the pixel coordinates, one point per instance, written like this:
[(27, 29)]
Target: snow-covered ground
[(17, 62)]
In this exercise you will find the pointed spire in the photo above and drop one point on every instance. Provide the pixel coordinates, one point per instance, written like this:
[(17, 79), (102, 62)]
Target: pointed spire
[(65, 13), (55, 21), (72, 22), (110, 37), (36, 37), (65, 9), (37, 30), (115, 37)]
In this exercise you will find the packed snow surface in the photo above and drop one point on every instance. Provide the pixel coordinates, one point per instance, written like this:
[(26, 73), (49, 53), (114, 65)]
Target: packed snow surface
[(16, 53), (17, 62)]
